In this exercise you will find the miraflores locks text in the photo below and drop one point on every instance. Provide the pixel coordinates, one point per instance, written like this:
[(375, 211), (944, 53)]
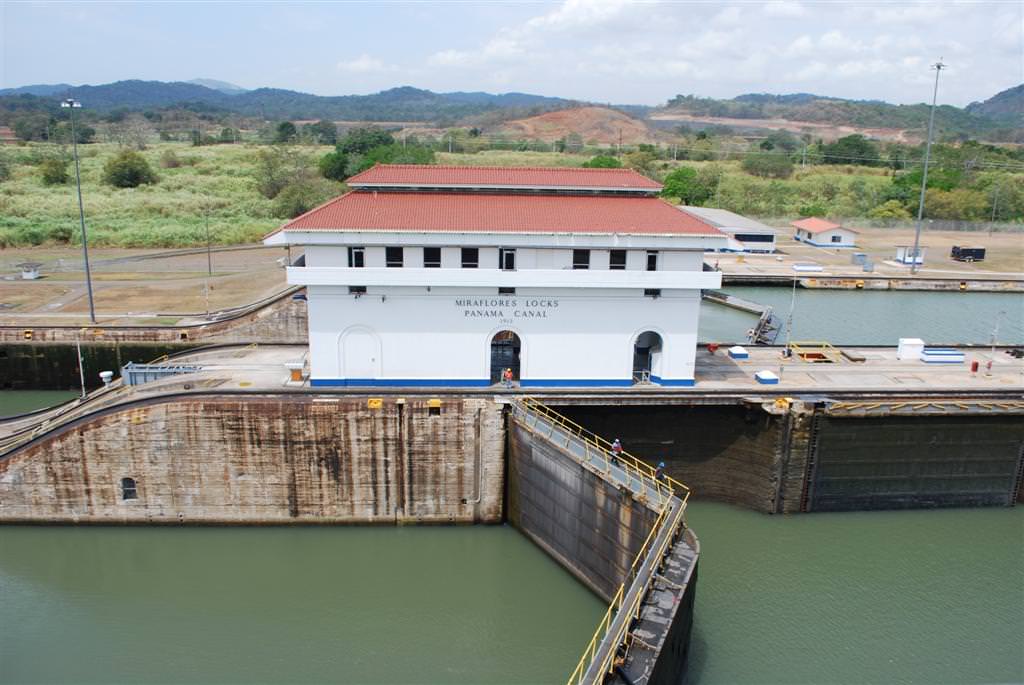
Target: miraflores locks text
[(506, 307)]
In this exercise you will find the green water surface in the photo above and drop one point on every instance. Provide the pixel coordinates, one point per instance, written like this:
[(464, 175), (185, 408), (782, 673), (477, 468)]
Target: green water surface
[(20, 401)]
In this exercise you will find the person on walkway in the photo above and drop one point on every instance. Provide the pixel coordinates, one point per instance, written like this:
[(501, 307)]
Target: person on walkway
[(506, 378), (659, 473), (616, 451)]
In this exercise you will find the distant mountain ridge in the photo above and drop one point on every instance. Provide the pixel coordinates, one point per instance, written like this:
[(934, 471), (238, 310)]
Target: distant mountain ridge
[(997, 118), (401, 103)]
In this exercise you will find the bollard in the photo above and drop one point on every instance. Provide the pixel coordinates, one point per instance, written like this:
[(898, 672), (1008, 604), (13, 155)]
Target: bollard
[(974, 367)]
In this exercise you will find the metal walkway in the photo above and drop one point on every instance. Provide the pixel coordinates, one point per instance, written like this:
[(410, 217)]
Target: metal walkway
[(664, 495)]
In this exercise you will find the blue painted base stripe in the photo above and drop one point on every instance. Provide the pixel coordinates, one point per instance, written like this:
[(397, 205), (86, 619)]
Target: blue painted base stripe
[(575, 382), (679, 382), (401, 382), (483, 383)]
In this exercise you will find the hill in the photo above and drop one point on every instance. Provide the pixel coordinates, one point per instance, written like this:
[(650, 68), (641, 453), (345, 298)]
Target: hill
[(1006, 105), (222, 86), (592, 124), (874, 118), (404, 103)]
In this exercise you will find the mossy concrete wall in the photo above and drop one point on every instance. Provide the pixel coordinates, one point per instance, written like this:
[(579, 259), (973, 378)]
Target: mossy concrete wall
[(265, 459)]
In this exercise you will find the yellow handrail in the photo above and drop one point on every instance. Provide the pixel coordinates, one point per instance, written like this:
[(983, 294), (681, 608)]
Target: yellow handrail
[(666, 486)]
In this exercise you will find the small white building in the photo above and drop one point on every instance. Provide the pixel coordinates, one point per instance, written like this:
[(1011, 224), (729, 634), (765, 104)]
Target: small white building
[(822, 233), (905, 254), (744, 234), (445, 276), (29, 270)]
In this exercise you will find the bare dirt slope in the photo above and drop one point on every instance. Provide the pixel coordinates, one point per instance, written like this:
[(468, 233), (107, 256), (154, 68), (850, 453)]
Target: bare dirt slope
[(817, 129), (593, 124)]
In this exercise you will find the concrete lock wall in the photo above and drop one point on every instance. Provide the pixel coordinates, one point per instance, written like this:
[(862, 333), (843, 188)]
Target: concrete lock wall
[(255, 459), (905, 462), (801, 459), (590, 527)]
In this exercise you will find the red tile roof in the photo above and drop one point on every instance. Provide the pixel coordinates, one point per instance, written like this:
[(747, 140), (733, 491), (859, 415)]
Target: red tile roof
[(815, 225), (502, 177), (493, 213)]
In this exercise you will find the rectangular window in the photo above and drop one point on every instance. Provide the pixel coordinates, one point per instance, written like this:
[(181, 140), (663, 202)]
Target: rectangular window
[(357, 290), (507, 259), (432, 258), (129, 490), (506, 291), (393, 256), (617, 260), (356, 257), (581, 259), (652, 260), (470, 257), (837, 239), (652, 292)]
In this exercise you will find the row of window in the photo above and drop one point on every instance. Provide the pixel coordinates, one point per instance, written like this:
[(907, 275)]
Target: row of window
[(395, 257)]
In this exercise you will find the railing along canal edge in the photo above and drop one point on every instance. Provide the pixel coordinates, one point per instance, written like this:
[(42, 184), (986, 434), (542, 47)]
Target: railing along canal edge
[(665, 495)]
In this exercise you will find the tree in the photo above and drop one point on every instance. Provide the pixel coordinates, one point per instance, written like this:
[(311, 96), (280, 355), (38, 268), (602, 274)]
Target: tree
[(128, 169), (285, 132), (960, 204), (54, 171), (891, 209), (685, 184), (5, 167), (323, 132), (768, 165), (276, 167), (362, 140), (642, 161), (301, 196), (334, 166), (780, 140), (228, 135), (855, 149), (602, 162)]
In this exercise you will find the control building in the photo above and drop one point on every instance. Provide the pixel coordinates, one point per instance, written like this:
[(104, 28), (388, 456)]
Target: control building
[(445, 276)]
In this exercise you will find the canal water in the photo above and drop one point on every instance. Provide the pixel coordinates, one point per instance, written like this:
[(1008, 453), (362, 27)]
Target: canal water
[(867, 317)]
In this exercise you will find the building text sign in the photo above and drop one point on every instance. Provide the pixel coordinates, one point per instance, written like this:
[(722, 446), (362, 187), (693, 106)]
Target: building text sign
[(508, 308)]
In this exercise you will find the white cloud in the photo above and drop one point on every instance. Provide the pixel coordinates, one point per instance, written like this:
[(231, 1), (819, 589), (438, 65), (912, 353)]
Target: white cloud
[(784, 8), (730, 16), (364, 64)]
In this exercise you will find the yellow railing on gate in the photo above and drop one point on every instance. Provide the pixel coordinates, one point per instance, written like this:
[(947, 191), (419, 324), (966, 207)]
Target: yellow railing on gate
[(599, 450), (815, 351), (672, 492)]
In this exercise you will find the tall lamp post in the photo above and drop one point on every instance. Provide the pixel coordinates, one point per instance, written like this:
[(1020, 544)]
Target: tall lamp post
[(938, 67), (73, 105)]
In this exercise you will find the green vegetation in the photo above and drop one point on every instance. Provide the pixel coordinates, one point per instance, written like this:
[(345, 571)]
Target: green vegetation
[(128, 169), (602, 162), (248, 189), (54, 171)]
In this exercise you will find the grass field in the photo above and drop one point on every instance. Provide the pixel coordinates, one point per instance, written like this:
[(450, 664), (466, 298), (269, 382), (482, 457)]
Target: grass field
[(214, 179), (219, 181)]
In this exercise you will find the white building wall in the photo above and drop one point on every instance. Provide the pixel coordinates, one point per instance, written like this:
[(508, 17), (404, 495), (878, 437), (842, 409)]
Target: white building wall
[(406, 336), (824, 239)]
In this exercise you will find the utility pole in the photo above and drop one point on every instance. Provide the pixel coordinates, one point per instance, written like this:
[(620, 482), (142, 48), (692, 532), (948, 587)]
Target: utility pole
[(81, 369), (995, 203), (73, 105), (209, 261), (938, 67)]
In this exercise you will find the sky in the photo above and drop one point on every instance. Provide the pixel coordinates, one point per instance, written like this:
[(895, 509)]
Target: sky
[(613, 51)]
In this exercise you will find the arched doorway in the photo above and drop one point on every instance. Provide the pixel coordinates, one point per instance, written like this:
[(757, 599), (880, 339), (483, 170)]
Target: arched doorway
[(647, 357), (360, 354), (505, 349)]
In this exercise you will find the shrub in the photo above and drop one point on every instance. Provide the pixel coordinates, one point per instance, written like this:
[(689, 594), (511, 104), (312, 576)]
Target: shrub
[(169, 160), (768, 165), (302, 196), (602, 162), (892, 209), (128, 169), (54, 171), (333, 165), (5, 168)]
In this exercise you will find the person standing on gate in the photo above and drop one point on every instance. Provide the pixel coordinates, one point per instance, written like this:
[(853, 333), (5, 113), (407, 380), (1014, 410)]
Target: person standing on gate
[(616, 451), (659, 473), (506, 377)]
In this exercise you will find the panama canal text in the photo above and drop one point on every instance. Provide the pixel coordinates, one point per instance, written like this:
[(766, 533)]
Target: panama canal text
[(506, 308)]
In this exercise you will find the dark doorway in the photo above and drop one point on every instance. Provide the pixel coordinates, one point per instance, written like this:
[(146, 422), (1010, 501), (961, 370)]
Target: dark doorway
[(505, 348), (646, 357)]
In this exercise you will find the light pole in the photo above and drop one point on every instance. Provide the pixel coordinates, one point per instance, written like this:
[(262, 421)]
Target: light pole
[(938, 67), (209, 260), (73, 105)]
